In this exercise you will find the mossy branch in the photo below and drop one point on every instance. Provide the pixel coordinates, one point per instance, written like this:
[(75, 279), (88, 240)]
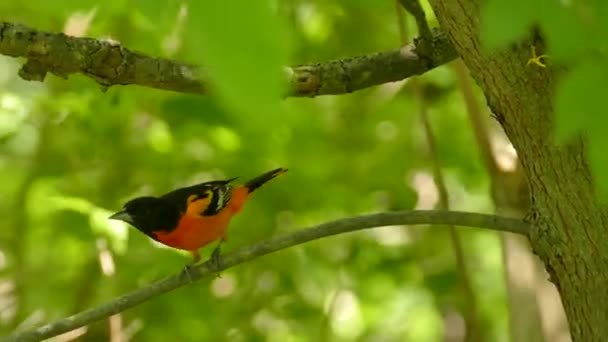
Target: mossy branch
[(245, 254), (110, 63)]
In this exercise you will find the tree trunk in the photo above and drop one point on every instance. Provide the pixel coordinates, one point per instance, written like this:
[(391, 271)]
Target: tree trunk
[(570, 232)]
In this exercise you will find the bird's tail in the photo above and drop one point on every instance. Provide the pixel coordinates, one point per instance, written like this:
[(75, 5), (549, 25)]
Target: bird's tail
[(262, 179), (241, 193)]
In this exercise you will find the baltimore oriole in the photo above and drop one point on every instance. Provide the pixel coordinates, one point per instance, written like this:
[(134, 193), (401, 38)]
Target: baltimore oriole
[(191, 217)]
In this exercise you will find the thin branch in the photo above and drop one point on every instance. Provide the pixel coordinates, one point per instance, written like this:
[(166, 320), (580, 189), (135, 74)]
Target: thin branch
[(20, 232), (415, 9), (109, 63), (472, 318), (275, 244), (424, 44), (477, 120)]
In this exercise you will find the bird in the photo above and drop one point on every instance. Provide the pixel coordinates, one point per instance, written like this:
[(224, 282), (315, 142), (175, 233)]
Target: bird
[(192, 217)]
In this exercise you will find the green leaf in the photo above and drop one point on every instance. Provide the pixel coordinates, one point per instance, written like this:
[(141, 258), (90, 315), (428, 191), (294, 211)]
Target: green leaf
[(243, 51), (179, 110), (159, 137), (579, 100), (226, 138), (77, 204), (116, 231), (599, 161), (566, 36), (579, 108), (503, 22), (13, 112)]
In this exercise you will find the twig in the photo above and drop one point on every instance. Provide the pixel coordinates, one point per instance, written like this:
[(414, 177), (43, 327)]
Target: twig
[(472, 318), (479, 125), (415, 9), (20, 229), (109, 63), (424, 44), (275, 244)]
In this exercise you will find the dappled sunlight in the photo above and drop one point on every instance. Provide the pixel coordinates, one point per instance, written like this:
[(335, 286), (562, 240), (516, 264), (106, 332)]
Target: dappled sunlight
[(106, 261), (173, 41), (3, 261), (274, 328), (159, 137), (392, 236), (72, 335), (226, 138), (504, 152), (78, 23), (13, 112), (25, 141), (310, 291), (267, 282), (345, 314), (224, 286), (7, 300), (454, 326), (387, 92), (314, 22), (426, 189), (199, 150), (386, 131)]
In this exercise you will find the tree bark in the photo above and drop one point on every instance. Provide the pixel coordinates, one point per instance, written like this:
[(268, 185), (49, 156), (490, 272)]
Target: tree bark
[(569, 233)]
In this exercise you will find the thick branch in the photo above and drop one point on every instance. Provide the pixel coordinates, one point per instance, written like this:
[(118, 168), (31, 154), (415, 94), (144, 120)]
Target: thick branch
[(109, 63), (275, 244), (106, 61)]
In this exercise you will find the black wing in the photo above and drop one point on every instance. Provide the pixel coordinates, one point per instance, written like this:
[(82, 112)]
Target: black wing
[(218, 192)]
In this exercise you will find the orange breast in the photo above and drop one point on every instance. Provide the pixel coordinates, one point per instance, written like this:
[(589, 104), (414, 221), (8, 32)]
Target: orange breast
[(194, 231)]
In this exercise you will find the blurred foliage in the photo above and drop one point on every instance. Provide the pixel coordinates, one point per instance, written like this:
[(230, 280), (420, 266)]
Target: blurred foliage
[(70, 154)]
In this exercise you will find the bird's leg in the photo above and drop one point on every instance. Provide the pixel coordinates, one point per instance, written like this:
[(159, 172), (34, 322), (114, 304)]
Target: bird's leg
[(195, 257), (216, 259), (188, 268)]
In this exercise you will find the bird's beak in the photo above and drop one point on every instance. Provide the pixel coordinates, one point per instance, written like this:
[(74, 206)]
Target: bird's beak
[(122, 216)]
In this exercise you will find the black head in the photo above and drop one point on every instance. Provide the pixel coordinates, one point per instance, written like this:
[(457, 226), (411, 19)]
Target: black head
[(149, 214)]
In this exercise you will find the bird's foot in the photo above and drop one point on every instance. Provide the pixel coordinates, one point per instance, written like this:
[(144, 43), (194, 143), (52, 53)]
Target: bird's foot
[(187, 271), (189, 268), (216, 260)]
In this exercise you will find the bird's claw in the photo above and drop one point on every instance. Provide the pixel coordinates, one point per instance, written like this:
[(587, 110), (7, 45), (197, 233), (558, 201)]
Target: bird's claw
[(187, 271), (216, 260)]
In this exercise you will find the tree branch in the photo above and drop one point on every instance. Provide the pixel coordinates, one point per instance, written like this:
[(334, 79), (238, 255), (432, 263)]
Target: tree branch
[(245, 254), (415, 9), (109, 63), (473, 331)]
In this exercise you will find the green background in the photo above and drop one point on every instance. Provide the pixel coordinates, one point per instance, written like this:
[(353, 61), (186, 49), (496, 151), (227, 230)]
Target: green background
[(71, 154)]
